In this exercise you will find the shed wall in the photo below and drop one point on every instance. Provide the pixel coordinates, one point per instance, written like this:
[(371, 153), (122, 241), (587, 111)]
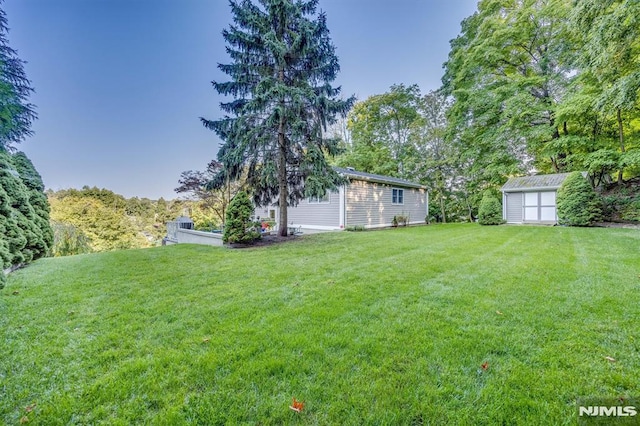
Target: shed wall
[(530, 207), (513, 202)]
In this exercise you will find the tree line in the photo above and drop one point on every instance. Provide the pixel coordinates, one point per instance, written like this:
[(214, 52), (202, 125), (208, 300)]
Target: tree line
[(93, 220), (544, 86), (537, 86)]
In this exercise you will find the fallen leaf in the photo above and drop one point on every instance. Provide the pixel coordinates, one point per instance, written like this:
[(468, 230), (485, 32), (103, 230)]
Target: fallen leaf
[(498, 312), (24, 420), (485, 366), (297, 405), (29, 408), (206, 340), (608, 358)]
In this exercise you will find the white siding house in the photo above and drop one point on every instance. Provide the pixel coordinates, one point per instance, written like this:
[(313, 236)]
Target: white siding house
[(531, 199), (367, 200)]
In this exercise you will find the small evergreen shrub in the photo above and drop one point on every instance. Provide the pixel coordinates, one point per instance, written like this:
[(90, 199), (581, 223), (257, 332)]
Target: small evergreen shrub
[(631, 211), (577, 202), (239, 228), (490, 210)]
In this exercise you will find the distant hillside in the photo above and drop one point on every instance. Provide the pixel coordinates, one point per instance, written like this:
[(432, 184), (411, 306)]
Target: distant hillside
[(95, 220)]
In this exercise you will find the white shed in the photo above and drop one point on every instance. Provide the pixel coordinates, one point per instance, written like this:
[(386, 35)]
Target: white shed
[(531, 199)]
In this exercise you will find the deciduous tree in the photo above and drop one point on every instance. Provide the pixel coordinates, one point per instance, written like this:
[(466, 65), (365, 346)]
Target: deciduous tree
[(506, 72), (197, 185), (610, 72), (383, 129)]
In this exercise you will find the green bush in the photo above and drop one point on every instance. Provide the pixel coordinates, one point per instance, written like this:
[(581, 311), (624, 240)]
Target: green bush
[(490, 210), (239, 229), (69, 240), (577, 202), (631, 211)]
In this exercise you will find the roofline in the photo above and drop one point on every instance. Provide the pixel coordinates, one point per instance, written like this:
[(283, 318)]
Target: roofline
[(381, 179), (537, 188), (388, 182)]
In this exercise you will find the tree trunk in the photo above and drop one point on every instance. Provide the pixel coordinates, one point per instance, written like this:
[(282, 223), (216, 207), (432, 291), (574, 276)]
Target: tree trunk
[(282, 180), (442, 209), (440, 183), (622, 148)]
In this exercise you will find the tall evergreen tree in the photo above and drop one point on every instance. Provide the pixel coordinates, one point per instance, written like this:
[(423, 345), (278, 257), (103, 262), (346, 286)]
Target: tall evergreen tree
[(16, 113), (283, 64)]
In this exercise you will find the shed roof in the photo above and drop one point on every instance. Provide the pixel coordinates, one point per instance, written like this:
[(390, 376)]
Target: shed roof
[(354, 174), (184, 219), (533, 183)]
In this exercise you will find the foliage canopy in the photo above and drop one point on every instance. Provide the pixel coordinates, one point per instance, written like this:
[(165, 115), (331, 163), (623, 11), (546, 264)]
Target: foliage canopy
[(16, 113)]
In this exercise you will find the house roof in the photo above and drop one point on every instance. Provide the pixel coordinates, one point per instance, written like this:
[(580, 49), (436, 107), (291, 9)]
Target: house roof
[(370, 177), (533, 183)]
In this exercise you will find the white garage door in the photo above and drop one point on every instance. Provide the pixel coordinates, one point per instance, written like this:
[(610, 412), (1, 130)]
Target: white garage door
[(540, 206)]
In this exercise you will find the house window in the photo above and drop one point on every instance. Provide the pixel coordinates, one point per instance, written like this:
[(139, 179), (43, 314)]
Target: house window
[(319, 200), (397, 196), (272, 214)]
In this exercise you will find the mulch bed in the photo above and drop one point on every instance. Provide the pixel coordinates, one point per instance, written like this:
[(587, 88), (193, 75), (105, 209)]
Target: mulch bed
[(267, 240)]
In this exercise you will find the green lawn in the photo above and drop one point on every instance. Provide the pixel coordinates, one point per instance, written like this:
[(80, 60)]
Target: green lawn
[(385, 327)]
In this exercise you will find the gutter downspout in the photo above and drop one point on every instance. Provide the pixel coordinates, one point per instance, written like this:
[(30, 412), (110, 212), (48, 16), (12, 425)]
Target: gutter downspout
[(343, 207), (426, 217)]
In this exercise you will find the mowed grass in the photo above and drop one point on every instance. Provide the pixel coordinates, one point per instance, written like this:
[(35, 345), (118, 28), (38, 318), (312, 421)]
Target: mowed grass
[(384, 327)]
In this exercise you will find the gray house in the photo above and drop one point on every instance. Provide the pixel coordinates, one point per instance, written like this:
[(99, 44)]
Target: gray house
[(368, 200), (531, 199)]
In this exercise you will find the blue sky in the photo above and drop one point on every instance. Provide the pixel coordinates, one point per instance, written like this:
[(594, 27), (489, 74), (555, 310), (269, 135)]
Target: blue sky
[(120, 84)]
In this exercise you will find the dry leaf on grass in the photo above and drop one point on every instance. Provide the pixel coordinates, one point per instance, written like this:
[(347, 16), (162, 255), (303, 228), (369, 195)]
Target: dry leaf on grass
[(608, 358), (297, 405)]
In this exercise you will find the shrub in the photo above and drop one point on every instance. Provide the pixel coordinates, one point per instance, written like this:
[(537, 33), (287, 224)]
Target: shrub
[(69, 240), (577, 202), (238, 225), (490, 210), (402, 219), (631, 211)]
